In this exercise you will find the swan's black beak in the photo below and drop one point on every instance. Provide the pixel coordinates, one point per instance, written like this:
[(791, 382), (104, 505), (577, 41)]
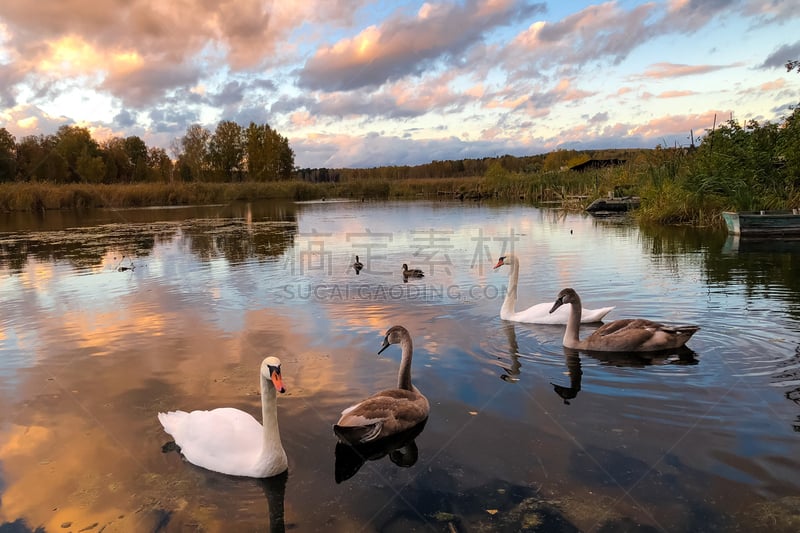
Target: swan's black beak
[(385, 345), (558, 303), (500, 262), (275, 376)]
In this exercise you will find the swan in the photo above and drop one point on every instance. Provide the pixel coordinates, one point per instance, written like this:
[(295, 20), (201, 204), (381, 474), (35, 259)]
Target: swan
[(358, 265), (390, 411), (413, 272), (539, 313), (627, 335), (231, 441)]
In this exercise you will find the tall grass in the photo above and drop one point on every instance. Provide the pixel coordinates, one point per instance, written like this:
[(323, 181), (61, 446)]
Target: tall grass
[(39, 196)]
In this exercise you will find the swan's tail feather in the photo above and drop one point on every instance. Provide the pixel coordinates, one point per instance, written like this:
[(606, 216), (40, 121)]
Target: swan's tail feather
[(358, 434), (171, 420)]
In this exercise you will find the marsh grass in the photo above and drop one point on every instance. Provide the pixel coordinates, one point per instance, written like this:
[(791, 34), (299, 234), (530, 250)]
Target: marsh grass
[(39, 196)]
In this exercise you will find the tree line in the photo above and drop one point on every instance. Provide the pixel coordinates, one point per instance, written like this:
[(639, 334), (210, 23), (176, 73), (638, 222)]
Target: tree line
[(230, 153)]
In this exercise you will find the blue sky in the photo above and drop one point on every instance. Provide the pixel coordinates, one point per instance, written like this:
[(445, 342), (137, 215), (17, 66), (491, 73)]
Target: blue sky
[(365, 83)]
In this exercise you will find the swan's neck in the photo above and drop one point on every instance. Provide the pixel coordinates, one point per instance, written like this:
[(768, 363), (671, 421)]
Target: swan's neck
[(269, 418), (571, 339), (510, 303), (404, 376)]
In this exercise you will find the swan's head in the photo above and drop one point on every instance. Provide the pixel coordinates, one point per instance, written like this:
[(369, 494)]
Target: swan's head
[(395, 335), (505, 260), (566, 296), (271, 369)]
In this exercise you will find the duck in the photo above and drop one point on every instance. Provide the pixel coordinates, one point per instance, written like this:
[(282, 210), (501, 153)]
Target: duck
[(626, 335), (231, 441), (538, 313), (413, 272), (358, 265), (388, 412)]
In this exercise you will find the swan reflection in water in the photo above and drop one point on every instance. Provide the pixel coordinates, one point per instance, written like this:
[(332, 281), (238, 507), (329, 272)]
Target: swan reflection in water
[(400, 447), (512, 372), (274, 489), (678, 356)]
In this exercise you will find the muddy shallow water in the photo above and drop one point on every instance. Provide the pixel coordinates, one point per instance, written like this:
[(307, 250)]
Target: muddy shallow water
[(112, 316)]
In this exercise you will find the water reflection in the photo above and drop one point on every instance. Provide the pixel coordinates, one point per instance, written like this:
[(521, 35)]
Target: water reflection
[(273, 489), (513, 370), (401, 449), (680, 356), (257, 233)]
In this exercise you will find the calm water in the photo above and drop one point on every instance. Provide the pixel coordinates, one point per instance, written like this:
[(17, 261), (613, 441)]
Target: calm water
[(109, 317)]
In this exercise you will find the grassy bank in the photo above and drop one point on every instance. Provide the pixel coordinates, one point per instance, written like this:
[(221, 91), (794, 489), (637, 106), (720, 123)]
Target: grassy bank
[(44, 196)]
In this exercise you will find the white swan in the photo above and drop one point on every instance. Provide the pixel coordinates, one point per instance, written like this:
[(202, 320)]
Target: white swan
[(231, 441), (539, 313), (390, 411), (626, 335)]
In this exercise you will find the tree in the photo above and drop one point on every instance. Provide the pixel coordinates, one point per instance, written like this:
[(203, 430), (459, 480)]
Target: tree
[(73, 142), (268, 154), (226, 149), (118, 164), (195, 151), (38, 160), (8, 156), (136, 150), (90, 168), (159, 165)]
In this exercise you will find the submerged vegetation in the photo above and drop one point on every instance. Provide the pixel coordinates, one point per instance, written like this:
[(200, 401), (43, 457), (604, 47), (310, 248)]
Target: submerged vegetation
[(744, 167)]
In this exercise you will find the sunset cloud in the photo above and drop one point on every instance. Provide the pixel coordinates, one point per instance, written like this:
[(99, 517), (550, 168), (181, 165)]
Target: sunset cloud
[(372, 82)]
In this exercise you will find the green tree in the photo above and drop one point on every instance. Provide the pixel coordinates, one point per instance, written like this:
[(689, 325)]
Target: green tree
[(8, 156), (73, 142), (90, 168), (38, 160)]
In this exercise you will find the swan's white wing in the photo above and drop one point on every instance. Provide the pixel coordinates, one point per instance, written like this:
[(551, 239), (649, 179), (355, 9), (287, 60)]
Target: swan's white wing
[(540, 314), (225, 440)]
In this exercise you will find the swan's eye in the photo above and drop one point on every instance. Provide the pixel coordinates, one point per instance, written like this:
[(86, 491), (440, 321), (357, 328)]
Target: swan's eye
[(274, 370)]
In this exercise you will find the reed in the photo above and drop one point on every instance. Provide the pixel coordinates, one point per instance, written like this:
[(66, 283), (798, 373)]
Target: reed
[(40, 196)]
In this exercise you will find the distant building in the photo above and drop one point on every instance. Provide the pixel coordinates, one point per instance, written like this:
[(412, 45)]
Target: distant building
[(594, 164)]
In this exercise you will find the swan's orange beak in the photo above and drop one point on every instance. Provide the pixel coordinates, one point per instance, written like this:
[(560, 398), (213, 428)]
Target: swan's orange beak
[(277, 381), (500, 263)]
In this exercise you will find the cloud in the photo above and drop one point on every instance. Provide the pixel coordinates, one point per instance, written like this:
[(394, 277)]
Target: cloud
[(408, 44), (24, 120), (675, 70), (675, 94), (781, 56)]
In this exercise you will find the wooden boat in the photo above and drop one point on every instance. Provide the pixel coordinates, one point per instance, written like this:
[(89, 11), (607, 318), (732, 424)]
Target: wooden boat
[(614, 205), (763, 223)]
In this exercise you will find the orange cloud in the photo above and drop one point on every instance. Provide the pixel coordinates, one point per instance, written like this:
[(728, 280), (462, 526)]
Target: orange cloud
[(674, 70), (675, 94)]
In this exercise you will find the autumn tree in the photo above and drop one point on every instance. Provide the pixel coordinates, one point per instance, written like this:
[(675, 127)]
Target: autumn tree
[(194, 156), (226, 150), (159, 165)]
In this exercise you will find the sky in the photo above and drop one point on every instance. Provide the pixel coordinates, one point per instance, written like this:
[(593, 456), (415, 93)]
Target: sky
[(357, 83)]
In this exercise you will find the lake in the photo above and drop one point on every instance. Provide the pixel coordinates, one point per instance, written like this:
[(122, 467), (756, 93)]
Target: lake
[(111, 316)]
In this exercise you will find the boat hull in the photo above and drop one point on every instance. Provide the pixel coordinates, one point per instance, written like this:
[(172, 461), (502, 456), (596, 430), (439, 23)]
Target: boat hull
[(765, 223)]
